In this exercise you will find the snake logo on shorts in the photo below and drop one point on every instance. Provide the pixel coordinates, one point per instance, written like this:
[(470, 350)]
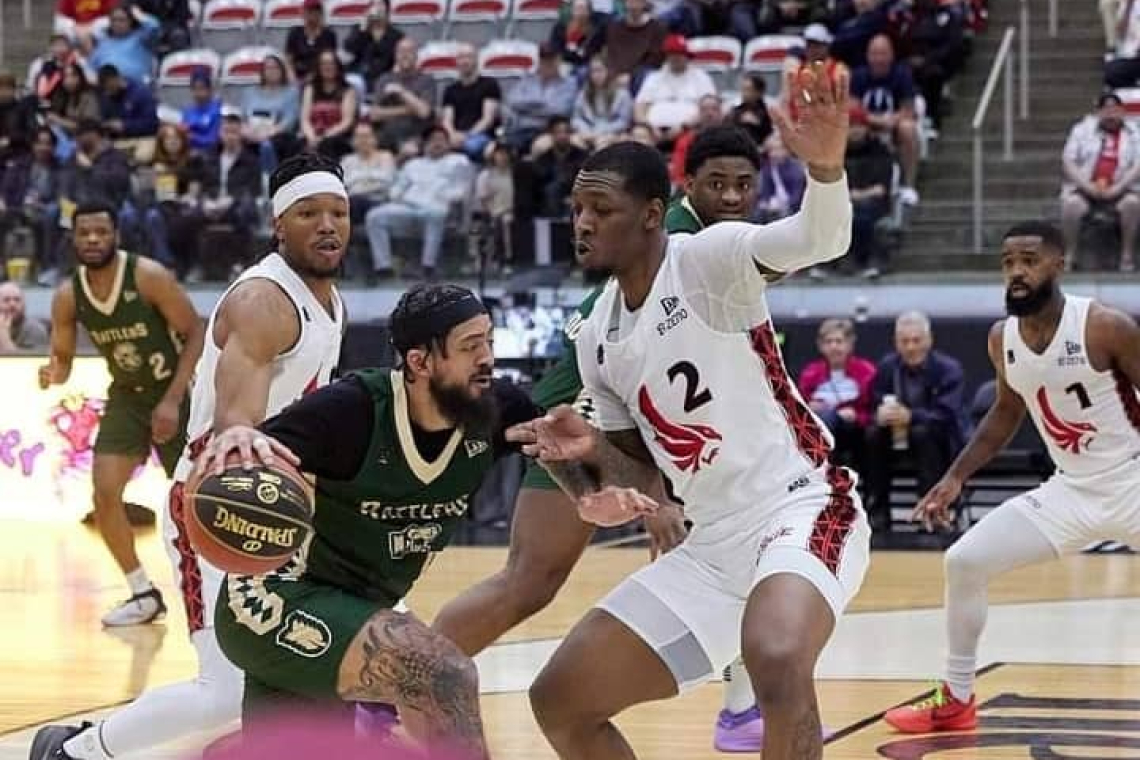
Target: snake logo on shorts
[(304, 634)]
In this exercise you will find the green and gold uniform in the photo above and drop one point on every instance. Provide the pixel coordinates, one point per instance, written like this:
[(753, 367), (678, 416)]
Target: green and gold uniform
[(562, 384), (388, 496), (142, 355)]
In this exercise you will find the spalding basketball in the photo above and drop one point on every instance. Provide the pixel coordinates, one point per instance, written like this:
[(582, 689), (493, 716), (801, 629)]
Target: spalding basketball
[(249, 522)]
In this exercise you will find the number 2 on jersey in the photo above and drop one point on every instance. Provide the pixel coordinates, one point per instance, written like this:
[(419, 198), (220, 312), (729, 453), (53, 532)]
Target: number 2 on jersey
[(158, 366), (694, 398)]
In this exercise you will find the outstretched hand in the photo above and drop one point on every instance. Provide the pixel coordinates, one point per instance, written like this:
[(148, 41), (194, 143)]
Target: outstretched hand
[(560, 435), (614, 506), (817, 135), (933, 510)]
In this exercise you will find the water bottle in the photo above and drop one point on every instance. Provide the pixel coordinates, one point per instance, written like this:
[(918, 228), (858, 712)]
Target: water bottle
[(900, 437)]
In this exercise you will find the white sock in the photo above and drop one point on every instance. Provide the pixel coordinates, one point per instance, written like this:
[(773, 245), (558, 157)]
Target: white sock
[(138, 581), (87, 745), (1005, 539), (170, 712), (738, 695)]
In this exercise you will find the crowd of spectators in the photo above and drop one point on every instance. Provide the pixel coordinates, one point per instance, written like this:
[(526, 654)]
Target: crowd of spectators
[(89, 121)]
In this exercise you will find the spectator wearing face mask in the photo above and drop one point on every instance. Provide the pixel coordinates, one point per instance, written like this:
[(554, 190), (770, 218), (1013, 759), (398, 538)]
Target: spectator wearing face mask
[(1101, 163)]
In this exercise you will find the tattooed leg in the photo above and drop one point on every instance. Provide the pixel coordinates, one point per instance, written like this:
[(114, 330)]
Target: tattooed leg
[(787, 622), (398, 660)]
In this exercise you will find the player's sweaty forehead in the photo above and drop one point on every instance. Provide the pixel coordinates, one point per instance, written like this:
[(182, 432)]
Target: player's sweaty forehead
[(589, 183)]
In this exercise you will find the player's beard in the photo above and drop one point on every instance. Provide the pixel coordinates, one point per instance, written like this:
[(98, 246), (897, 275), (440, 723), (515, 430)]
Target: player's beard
[(477, 416), (107, 257), (1032, 302)]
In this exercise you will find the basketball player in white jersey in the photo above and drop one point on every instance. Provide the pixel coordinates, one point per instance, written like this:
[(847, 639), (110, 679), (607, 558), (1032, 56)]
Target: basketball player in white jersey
[(680, 359), (274, 335), (1074, 364)]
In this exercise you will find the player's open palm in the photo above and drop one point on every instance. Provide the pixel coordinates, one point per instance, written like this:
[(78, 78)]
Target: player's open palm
[(614, 506), (818, 133), (561, 435), (934, 508)]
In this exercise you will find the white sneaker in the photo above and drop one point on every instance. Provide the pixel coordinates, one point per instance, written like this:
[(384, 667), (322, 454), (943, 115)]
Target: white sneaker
[(908, 195), (140, 609)]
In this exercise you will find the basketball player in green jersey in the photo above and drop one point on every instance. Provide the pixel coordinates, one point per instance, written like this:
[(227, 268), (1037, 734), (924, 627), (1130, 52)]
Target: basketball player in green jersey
[(144, 325), (547, 538), (396, 455)]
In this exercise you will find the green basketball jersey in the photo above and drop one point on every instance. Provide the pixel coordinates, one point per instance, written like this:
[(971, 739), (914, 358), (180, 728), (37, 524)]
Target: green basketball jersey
[(131, 334), (375, 532), (561, 383), (682, 217)]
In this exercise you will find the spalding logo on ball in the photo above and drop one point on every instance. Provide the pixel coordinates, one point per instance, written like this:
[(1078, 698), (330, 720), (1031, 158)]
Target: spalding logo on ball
[(252, 521)]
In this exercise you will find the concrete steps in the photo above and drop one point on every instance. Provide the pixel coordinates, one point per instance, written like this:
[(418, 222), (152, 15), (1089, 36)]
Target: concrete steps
[(1065, 76)]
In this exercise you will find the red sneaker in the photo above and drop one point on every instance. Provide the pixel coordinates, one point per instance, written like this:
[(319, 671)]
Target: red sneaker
[(940, 712)]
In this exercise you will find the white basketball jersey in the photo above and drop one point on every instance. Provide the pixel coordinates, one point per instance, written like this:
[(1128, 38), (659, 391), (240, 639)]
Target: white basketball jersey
[(308, 365), (717, 410), (1088, 419)]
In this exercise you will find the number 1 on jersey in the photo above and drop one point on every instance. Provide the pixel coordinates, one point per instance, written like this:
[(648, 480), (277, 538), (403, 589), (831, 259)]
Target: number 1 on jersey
[(1082, 395)]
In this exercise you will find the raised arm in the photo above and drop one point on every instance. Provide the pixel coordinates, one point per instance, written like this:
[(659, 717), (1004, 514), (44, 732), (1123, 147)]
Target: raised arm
[(994, 432), (821, 230), (58, 368)]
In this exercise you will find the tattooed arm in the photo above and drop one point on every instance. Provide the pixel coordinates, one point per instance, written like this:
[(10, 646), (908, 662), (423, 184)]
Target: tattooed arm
[(396, 659)]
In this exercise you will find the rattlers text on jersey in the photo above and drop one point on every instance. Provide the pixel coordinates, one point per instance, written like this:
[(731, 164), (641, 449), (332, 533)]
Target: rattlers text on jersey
[(698, 371), (1085, 416)]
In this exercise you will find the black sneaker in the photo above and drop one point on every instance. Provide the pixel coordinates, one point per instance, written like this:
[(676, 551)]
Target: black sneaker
[(49, 740)]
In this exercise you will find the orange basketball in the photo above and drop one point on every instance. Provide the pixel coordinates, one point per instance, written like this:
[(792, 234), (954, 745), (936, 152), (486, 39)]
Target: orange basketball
[(249, 522)]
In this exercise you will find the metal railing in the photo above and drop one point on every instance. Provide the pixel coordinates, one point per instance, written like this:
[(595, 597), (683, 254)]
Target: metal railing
[(1002, 67)]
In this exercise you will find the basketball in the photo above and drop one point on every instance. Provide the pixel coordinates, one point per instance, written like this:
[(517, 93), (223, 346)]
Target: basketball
[(249, 521)]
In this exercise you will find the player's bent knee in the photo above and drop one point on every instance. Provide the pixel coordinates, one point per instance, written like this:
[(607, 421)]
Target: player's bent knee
[(780, 660), (553, 704), (962, 564)]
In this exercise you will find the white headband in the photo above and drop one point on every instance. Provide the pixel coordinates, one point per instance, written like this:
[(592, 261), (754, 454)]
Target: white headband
[(305, 186)]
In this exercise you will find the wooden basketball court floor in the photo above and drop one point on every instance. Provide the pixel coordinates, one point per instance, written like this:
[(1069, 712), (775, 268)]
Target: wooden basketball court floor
[(1061, 658)]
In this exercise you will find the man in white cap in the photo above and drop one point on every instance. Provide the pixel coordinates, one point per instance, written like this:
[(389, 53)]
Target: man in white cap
[(273, 337)]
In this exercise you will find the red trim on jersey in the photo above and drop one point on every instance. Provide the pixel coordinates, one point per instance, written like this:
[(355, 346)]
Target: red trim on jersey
[(189, 573), (1127, 393), (312, 385), (833, 524), (1068, 435), (811, 440)]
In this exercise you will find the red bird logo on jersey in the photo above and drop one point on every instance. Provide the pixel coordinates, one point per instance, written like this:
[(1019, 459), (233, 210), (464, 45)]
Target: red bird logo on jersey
[(1070, 436), (689, 446)]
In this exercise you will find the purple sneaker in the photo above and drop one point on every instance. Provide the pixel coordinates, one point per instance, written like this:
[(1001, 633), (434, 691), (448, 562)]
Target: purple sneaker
[(739, 732), (744, 732), (375, 720)]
